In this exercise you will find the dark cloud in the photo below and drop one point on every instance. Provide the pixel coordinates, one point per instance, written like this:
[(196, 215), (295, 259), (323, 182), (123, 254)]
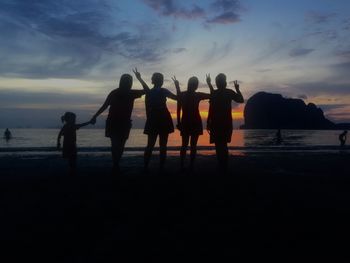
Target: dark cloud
[(221, 11), (263, 70), (297, 52), (69, 38), (227, 12), (225, 18), (321, 88), (319, 18), (171, 8), (302, 96), (179, 50)]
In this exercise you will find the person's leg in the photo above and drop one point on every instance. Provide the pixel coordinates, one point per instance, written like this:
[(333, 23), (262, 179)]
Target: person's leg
[(72, 162), (185, 141), (163, 141), (118, 144), (194, 140), (151, 141), (222, 154)]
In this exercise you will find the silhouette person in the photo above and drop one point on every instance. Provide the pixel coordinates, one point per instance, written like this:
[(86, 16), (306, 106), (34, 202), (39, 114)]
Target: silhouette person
[(7, 134), (219, 123), (342, 138), (278, 137), (68, 131), (118, 124), (158, 122), (190, 122)]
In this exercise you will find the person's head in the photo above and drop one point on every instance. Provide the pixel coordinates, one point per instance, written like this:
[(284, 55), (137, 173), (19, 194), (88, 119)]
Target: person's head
[(345, 132), (157, 79), (68, 117), (125, 82), (220, 81), (192, 84)]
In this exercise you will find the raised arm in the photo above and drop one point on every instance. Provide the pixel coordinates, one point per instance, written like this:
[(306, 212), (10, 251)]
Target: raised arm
[(179, 103), (237, 97), (143, 83), (208, 79), (102, 109), (171, 95), (177, 85)]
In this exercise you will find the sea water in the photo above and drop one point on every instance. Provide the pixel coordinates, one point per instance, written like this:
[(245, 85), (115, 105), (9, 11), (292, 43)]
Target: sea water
[(93, 140)]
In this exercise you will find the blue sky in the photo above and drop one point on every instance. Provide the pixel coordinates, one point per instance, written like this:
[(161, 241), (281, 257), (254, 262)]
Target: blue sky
[(68, 55)]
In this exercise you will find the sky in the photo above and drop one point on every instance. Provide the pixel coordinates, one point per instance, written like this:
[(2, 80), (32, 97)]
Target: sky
[(58, 56)]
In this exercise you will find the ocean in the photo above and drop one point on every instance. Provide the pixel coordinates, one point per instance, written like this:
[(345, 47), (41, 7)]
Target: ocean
[(93, 140)]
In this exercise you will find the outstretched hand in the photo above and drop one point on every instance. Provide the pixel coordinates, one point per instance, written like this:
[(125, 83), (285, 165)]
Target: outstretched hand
[(236, 84), (207, 76), (93, 121), (176, 82), (137, 74)]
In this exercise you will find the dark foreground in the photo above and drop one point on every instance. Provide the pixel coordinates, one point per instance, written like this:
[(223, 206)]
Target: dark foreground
[(280, 207)]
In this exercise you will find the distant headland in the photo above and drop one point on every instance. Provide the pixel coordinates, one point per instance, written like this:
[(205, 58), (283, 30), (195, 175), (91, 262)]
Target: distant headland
[(272, 111)]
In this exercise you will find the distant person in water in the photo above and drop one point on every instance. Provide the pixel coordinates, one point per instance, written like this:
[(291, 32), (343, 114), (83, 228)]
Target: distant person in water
[(7, 134), (219, 122), (190, 122), (158, 122), (342, 138), (68, 132), (278, 137), (118, 124)]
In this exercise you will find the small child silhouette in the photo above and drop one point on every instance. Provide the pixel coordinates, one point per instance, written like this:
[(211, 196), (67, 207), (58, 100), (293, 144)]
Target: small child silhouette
[(68, 131)]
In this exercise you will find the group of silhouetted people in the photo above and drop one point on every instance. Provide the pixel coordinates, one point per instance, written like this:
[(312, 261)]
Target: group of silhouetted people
[(158, 119)]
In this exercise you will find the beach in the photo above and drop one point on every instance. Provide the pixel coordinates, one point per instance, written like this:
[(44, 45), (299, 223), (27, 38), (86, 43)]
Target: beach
[(281, 205)]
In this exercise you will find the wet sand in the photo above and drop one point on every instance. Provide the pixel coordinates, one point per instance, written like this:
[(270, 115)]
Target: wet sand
[(275, 205)]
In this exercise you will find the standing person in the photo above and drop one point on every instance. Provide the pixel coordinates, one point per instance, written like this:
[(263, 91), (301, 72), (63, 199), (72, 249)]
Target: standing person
[(190, 122), (278, 137), (7, 134), (118, 124), (159, 122), (69, 134), (342, 138), (219, 123)]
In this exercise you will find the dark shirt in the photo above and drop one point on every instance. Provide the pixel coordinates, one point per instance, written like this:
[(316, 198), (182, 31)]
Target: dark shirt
[(220, 111), (156, 100), (190, 106), (122, 103)]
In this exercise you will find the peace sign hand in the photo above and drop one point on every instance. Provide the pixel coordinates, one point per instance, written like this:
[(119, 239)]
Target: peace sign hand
[(236, 84), (137, 74), (207, 76), (176, 82)]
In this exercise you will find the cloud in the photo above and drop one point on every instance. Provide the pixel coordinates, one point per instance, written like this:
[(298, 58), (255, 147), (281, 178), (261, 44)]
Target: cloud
[(228, 12), (179, 50), (221, 11), (337, 112), (319, 18), (297, 52), (170, 8), (225, 18), (65, 39), (302, 96)]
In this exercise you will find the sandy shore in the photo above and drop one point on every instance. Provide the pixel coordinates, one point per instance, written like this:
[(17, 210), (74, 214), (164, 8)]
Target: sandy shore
[(282, 206)]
